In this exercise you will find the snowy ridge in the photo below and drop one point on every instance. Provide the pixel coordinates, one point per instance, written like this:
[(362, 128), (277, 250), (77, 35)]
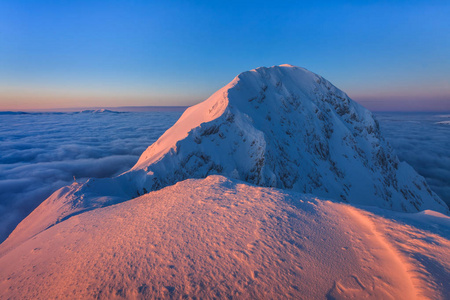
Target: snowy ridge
[(282, 127), (223, 238), (99, 111)]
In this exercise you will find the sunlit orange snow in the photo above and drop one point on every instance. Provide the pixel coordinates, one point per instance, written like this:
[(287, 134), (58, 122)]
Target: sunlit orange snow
[(217, 237)]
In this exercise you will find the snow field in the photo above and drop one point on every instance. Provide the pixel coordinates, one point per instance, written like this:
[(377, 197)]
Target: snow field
[(218, 237)]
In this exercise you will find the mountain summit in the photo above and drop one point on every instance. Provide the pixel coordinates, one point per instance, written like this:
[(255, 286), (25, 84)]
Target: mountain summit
[(282, 127), (289, 128)]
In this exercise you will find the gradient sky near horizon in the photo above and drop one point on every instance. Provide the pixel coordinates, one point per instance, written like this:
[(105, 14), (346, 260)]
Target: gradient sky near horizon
[(387, 55)]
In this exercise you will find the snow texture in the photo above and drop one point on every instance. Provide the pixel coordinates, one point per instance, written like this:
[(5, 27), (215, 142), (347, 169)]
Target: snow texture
[(223, 238), (282, 127)]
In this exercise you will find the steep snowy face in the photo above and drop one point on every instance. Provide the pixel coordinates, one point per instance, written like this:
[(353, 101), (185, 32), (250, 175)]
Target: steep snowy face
[(289, 128), (281, 127)]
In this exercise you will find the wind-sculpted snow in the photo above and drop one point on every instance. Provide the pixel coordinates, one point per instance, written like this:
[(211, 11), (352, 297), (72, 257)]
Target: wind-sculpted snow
[(218, 238), (281, 127)]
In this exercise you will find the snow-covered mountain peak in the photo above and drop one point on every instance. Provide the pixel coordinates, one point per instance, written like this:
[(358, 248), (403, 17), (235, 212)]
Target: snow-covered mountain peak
[(287, 127), (288, 86), (283, 127), (288, 65)]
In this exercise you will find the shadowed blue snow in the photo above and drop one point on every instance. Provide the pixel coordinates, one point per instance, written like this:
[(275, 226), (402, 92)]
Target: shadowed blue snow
[(43, 152)]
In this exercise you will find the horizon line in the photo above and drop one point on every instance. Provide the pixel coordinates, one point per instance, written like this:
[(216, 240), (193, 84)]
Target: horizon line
[(165, 108)]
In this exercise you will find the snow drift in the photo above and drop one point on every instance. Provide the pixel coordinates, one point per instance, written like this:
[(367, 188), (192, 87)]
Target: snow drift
[(218, 238), (283, 127)]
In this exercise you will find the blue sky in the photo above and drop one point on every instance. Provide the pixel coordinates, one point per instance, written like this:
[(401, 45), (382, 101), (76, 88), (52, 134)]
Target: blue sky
[(385, 54)]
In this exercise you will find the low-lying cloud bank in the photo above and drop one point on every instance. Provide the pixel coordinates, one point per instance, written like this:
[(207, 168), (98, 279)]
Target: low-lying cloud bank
[(43, 152)]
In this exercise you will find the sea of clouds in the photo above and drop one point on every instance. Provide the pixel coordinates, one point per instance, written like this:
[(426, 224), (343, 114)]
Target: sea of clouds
[(42, 152)]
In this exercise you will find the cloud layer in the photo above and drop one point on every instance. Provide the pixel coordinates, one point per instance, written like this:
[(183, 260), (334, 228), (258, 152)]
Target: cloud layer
[(43, 152), (422, 140)]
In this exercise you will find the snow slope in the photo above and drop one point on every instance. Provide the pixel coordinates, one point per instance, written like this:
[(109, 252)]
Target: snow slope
[(283, 127), (221, 238)]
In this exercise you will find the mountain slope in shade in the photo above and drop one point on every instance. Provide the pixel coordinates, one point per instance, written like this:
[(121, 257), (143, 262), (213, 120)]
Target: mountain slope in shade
[(282, 127), (220, 238)]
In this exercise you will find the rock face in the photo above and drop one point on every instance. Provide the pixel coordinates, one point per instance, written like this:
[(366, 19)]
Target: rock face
[(283, 127)]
